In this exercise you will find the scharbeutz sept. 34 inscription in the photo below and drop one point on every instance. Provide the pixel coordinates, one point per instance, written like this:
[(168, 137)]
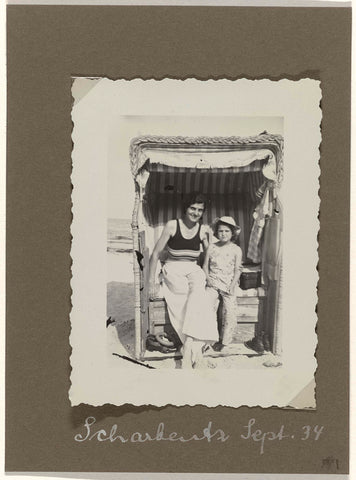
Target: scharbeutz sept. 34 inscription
[(211, 433)]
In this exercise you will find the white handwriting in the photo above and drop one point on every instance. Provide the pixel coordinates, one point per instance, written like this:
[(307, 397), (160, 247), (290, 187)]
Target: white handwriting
[(259, 436), (102, 435)]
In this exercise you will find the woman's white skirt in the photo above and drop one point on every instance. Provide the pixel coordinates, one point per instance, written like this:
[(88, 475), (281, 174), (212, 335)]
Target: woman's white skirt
[(189, 309)]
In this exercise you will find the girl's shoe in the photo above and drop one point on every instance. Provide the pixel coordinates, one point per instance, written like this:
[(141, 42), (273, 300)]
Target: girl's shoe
[(218, 346), (255, 344), (266, 342)]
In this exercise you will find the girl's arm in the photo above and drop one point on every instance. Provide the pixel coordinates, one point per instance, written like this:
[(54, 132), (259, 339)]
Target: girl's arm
[(160, 245), (237, 272)]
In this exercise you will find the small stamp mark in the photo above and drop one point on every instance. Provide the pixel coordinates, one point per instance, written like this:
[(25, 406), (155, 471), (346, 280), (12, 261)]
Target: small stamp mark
[(330, 463)]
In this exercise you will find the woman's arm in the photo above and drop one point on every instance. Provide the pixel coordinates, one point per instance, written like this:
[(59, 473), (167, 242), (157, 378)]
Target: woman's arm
[(237, 272), (162, 241), (206, 265), (205, 237)]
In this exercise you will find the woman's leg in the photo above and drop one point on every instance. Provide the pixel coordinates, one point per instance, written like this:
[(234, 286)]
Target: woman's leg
[(197, 353), (230, 317), (196, 294), (213, 299), (187, 350), (200, 315), (175, 291)]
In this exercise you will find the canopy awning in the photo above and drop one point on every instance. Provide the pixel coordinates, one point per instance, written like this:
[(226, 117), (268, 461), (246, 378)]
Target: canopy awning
[(205, 160), (207, 153)]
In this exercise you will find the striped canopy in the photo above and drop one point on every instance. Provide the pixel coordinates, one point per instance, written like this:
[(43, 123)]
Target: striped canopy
[(166, 179), (212, 152)]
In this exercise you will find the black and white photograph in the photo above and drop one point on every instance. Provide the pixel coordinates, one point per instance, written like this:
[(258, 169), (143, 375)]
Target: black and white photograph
[(195, 223)]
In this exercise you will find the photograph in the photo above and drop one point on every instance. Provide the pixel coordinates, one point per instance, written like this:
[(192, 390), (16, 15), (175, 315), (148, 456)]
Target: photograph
[(190, 217)]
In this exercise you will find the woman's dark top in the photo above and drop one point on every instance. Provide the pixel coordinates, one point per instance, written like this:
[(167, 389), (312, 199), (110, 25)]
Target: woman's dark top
[(180, 248)]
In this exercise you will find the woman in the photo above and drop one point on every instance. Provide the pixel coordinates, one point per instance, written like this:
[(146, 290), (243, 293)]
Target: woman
[(184, 280)]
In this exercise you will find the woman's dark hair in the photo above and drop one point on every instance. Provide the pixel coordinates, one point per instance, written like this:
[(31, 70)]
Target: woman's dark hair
[(194, 197)]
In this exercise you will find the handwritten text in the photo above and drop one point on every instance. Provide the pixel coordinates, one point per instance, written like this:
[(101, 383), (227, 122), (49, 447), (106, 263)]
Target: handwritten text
[(159, 434)]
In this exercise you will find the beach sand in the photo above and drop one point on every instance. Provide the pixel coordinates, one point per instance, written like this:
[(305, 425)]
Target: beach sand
[(120, 267)]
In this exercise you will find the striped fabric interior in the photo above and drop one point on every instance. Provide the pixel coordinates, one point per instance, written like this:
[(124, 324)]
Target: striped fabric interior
[(215, 180), (252, 167), (230, 191)]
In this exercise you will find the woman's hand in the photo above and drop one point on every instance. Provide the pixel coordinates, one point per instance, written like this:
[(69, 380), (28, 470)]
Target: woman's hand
[(208, 282), (153, 291), (232, 288)]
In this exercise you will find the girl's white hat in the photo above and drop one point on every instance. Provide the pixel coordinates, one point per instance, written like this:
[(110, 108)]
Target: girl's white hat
[(229, 221)]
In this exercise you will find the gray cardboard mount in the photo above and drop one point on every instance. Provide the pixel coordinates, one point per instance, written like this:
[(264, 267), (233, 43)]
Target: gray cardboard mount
[(46, 46)]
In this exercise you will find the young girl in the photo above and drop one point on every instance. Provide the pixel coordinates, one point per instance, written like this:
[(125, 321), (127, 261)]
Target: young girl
[(222, 267)]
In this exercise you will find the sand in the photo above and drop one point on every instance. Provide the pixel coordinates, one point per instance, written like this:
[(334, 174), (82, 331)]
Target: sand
[(120, 267)]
